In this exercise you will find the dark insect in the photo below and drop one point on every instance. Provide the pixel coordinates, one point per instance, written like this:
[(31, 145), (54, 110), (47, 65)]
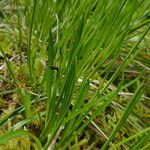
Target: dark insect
[(54, 68)]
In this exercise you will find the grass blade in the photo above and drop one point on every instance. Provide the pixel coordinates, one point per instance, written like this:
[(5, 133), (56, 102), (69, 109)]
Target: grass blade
[(11, 135), (125, 115)]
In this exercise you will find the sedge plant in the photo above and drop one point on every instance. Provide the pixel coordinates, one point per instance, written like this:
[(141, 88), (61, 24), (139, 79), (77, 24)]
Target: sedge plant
[(75, 68)]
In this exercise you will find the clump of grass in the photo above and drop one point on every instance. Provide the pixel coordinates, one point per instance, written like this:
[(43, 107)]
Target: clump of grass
[(75, 69)]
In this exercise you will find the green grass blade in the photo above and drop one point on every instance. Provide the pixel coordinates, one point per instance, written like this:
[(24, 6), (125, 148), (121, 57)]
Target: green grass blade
[(20, 33), (27, 103), (134, 136), (126, 61), (66, 93), (125, 115), (11, 135), (97, 112), (145, 139), (29, 51)]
